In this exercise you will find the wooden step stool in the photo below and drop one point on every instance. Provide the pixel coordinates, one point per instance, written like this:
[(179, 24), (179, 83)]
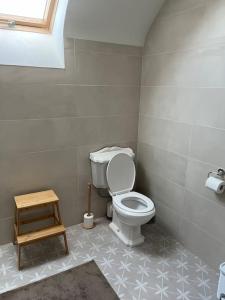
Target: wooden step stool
[(32, 201)]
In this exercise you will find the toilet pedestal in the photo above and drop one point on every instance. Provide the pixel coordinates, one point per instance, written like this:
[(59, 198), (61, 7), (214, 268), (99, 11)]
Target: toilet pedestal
[(114, 169), (129, 235)]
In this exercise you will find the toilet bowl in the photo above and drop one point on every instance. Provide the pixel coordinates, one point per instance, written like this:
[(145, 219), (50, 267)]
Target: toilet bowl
[(134, 208), (130, 209)]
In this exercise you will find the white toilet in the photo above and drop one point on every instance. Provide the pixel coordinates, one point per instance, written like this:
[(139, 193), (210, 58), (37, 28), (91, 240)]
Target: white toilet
[(114, 168)]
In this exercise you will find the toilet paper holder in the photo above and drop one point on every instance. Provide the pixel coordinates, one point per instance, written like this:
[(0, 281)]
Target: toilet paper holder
[(220, 173)]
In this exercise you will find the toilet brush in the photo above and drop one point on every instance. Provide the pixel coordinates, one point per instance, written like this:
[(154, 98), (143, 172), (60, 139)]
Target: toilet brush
[(88, 216)]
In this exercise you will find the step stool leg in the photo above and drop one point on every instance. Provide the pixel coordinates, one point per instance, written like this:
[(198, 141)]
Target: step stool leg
[(14, 235), (19, 257), (15, 227), (54, 214), (18, 221), (66, 244), (14, 238), (58, 213)]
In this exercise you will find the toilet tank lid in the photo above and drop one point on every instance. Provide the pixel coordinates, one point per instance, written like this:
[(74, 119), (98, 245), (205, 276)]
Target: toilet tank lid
[(106, 154)]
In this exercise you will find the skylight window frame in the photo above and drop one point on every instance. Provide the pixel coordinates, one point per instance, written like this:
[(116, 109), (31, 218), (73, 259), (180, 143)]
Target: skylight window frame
[(44, 25)]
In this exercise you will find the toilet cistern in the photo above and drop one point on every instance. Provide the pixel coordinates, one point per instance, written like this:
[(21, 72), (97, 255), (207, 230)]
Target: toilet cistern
[(113, 168)]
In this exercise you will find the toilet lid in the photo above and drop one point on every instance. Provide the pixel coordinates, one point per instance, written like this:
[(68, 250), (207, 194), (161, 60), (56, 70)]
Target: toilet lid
[(120, 174)]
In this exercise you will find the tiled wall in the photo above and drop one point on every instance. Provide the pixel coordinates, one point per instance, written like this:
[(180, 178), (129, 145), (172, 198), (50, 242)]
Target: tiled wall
[(182, 122), (51, 119)]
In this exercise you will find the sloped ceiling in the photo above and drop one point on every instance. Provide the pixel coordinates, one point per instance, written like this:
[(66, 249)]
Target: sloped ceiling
[(113, 21)]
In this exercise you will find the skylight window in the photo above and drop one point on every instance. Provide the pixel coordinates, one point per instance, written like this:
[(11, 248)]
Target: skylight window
[(27, 14)]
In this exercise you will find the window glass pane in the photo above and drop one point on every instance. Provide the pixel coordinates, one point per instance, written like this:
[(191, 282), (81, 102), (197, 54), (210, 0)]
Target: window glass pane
[(23, 8)]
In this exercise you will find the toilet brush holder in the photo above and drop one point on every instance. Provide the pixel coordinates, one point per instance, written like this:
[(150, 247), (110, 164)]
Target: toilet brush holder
[(221, 284), (89, 216)]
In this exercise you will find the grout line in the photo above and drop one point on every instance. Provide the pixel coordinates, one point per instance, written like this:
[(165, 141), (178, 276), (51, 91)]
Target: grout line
[(188, 158), (148, 116), (109, 53), (20, 84), (180, 122), (86, 49), (206, 232), (163, 149), (73, 117), (184, 189), (76, 147), (203, 196), (188, 153), (180, 12), (96, 85), (16, 154), (74, 56), (180, 86), (201, 45), (192, 223), (194, 124)]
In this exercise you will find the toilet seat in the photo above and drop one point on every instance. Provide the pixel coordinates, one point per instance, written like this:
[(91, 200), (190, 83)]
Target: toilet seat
[(134, 203)]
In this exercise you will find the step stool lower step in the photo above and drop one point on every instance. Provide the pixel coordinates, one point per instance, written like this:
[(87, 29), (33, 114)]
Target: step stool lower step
[(40, 234)]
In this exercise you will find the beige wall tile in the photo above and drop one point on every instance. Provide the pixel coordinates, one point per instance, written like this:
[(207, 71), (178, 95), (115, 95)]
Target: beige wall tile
[(161, 69), (106, 100), (202, 67), (107, 48), (99, 68), (203, 244), (47, 116), (36, 135), (182, 110), (168, 218), (159, 161), (35, 101), (200, 210), (215, 17), (208, 145), (169, 102), (161, 190), (188, 29), (118, 129), (179, 6), (165, 134), (203, 106), (61, 133), (210, 108), (28, 172)]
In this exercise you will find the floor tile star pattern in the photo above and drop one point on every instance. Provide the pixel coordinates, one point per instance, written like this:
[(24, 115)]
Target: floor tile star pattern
[(159, 269)]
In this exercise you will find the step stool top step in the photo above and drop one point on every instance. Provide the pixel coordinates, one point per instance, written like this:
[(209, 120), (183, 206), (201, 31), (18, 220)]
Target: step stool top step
[(40, 234), (35, 199)]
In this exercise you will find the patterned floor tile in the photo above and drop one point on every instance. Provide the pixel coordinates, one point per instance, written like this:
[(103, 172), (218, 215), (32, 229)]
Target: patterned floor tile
[(159, 269)]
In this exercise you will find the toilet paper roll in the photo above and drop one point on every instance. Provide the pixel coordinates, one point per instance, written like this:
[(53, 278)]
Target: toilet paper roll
[(88, 221), (215, 184)]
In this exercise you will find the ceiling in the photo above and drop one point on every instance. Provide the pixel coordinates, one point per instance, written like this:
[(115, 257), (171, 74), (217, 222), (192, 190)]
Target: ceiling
[(113, 21)]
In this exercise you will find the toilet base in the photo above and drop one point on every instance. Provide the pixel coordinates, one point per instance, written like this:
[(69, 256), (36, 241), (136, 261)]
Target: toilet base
[(131, 243), (129, 235)]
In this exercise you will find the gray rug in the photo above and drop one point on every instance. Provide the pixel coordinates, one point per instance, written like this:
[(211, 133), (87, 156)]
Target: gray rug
[(85, 282)]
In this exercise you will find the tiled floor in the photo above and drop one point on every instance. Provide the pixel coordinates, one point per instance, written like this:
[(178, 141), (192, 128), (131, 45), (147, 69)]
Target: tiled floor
[(160, 269)]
